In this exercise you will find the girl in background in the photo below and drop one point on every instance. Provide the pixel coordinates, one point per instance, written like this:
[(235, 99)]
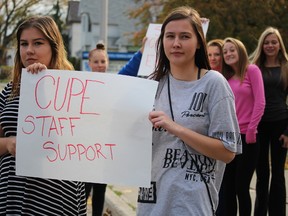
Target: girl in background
[(98, 58), (215, 55), (98, 62), (271, 57), (246, 83)]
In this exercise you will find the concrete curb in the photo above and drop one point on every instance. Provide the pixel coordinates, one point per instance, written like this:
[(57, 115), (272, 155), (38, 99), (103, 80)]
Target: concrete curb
[(116, 205)]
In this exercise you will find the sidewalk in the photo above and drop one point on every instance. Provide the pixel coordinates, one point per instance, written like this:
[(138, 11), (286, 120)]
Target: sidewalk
[(253, 192), (122, 201), (119, 201)]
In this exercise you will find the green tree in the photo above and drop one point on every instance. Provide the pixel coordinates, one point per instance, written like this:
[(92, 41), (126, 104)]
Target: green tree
[(56, 15), (147, 12), (57, 12), (12, 12), (245, 19)]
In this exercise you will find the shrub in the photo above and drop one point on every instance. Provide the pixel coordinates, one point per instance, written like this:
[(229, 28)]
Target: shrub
[(5, 72)]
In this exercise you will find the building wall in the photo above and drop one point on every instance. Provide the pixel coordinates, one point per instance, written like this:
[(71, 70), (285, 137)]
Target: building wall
[(119, 25), (85, 29), (75, 39)]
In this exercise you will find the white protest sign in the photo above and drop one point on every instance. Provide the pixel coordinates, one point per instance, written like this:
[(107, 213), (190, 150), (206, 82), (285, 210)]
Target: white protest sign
[(148, 61), (205, 25), (84, 126)]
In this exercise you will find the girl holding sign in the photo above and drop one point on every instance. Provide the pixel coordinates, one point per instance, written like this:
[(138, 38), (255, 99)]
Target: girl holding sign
[(195, 128), (39, 42)]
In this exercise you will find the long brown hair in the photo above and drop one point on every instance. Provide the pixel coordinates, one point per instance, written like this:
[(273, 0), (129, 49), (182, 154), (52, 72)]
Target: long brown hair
[(243, 62), (201, 57), (47, 26), (219, 44)]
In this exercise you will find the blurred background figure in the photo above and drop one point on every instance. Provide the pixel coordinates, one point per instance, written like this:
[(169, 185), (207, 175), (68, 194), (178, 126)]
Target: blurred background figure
[(98, 58), (215, 55), (271, 57), (98, 62), (246, 82)]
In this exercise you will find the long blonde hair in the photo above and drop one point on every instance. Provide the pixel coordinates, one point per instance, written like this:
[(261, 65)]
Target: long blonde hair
[(258, 57), (47, 26)]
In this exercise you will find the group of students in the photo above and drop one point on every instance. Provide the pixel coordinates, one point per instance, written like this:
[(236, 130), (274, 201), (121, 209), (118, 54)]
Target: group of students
[(207, 126), (259, 83)]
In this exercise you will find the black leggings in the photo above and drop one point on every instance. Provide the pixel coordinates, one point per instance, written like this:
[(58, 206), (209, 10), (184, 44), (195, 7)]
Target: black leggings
[(236, 181), (98, 197), (273, 198)]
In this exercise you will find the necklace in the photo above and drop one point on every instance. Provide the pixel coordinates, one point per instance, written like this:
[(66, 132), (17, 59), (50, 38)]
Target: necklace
[(193, 161), (169, 92)]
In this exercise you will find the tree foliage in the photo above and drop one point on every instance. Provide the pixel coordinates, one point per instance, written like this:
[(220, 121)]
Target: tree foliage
[(145, 13), (13, 12), (244, 20)]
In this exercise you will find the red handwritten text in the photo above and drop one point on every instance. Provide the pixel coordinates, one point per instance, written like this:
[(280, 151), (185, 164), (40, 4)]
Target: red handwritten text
[(50, 124), (75, 88), (78, 151)]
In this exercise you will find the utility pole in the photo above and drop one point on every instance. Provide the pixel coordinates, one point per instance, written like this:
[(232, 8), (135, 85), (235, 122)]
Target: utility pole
[(155, 9), (104, 23)]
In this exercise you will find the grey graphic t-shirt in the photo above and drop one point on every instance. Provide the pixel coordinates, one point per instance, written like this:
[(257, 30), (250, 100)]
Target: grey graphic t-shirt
[(206, 106)]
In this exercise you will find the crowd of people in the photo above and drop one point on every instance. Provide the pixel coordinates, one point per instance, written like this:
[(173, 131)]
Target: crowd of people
[(219, 115)]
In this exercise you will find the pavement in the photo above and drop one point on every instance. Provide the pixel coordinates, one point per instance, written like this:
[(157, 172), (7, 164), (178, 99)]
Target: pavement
[(122, 201), (119, 201)]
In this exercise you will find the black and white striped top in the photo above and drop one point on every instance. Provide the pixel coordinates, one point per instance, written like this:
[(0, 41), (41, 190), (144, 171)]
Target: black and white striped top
[(32, 196)]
